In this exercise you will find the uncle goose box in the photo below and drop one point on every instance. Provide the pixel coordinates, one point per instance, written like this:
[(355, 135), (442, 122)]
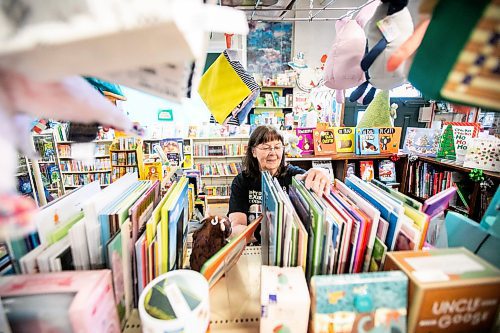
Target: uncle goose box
[(284, 300), (366, 302), (451, 290)]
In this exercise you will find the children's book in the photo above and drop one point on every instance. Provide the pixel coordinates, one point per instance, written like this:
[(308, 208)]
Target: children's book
[(484, 154), (367, 141), (422, 141), (366, 170), (327, 165), (344, 139), (306, 140), (324, 141), (439, 202), (378, 256), (389, 139), (225, 258), (386, 171), (153, 171), (345, 303), (351, 169)]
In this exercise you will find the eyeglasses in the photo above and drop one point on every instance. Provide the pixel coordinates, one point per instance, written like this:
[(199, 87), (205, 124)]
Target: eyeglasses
[(268, 149)]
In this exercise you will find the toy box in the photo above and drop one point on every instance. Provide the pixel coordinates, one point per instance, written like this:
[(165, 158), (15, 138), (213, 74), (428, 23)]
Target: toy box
[(284, 300), (451, 290), (367, 302)]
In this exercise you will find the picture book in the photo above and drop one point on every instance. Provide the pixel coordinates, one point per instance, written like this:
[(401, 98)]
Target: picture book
[(153, 171), (344, 139), (173, 149), (345, 303), (326, 165), (225, 258), (351, 169), (378, 255), (306, 140), (422, 141), (438, 202), (386, 171), (324, 141), (389, 139), (366, 170), (455, 139), (367, 141), (484, 154), (115, 258)]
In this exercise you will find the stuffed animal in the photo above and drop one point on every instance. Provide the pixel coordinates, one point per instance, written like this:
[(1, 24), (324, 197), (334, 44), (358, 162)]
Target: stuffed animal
[(292, 149), (208, 240)]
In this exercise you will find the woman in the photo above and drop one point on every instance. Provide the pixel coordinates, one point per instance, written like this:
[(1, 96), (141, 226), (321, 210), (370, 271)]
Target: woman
[(265, 152)]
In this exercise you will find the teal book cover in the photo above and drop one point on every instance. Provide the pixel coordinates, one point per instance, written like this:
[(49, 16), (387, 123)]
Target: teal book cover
[(368, 302), (367, 141)]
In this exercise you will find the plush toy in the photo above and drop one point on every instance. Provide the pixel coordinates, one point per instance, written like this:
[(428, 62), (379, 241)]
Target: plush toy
[(292, 149), (208, 240)]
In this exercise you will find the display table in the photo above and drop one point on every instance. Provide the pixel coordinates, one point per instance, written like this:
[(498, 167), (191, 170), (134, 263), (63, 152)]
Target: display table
[(234, 300)]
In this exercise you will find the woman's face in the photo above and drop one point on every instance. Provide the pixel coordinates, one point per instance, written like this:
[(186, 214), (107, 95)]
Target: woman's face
[(269, 155)]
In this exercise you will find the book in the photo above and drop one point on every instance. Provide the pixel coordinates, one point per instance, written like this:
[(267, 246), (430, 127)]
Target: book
[(345, 303), (422, 141), (367, 141), (344, 139), (153, 171), (324, 141), (386, 171), (378, 255), (327, 165), (306, 140), (389, 139), (366, 170), (351, 169)]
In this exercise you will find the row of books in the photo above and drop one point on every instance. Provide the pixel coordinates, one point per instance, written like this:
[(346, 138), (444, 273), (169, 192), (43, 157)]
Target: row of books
[(217, 190), (99, 164), (50, 173), (386, 170), (219, 150), (126, 227), (100, 149), (218, 169), (120, 171), (425, 180), (347, 231), (84, 179), (324, 140), (123, 158), (126, 143)]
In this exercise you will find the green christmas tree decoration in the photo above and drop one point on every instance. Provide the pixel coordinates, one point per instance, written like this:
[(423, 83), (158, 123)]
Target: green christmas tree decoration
[(378, 112), (447, 144)]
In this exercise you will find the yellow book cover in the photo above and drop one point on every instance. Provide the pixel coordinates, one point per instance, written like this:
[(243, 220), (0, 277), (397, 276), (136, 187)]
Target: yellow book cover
[(153, 171), (344, 139)]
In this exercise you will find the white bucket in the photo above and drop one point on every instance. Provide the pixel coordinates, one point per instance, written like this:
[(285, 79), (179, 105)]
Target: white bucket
[(182, 289)]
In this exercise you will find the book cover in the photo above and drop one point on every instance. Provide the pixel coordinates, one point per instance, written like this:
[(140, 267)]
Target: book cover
[(367, 141), (346, 303), (351, 169), (422, 141), (387, 171), (306, 140), (484, 154), (389, 139), (324, 141), (378, 255), (153, 171), (344, 139), (366, 170)]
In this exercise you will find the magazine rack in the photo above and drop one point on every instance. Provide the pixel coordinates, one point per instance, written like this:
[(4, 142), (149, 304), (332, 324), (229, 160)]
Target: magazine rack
[(234, 299)]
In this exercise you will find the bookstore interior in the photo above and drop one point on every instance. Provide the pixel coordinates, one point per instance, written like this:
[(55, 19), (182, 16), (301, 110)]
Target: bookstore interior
[(241, 166)]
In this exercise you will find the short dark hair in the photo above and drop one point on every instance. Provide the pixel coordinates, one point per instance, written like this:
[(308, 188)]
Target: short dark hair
[(262, 134)]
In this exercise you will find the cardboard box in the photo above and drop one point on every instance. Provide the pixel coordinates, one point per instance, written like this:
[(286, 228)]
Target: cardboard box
[(451, 290), (366, 302), (284, 300)]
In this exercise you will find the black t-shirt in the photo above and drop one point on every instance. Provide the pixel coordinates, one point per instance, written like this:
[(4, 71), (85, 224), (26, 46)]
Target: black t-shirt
[(246, 193)]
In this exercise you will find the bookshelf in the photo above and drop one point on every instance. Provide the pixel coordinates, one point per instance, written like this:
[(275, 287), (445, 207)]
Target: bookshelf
[(429, 175), (273, 102), (219, 161), (45, 145), (77, 172), (126, 154), (25, 182), (340, 163)]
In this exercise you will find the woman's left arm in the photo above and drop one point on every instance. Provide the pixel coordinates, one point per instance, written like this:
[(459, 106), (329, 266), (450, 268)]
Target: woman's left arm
[(316, 179)]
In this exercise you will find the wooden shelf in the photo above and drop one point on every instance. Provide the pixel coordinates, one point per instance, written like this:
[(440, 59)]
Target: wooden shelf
[(72, 158), (222, 138), (312, 158), (121, 150), (124, 165), (449, 165), (224, 156), (273, 107), (342, 157), (218, 176), (92, 171)]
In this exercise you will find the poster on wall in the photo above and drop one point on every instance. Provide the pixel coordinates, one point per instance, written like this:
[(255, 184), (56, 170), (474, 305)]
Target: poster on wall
[(269, 47)]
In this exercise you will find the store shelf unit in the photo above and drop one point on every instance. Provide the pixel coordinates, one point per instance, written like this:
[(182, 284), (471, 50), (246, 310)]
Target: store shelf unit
[(429, 175), (341, 161), (48, 164), (77, 172), (274, 103), (126, 156), (219, 161), (25, 182)]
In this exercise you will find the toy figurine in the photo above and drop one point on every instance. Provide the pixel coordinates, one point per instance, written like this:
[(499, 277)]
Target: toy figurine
[(292, 149)]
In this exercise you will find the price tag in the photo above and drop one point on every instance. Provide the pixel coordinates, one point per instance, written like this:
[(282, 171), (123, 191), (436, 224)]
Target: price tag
[(388, 28)]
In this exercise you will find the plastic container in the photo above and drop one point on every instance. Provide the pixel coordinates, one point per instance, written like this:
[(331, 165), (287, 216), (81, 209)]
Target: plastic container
[(176, 301)]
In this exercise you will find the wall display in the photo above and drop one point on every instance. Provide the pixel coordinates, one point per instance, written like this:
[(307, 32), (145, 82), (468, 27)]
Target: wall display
[(269, 47)]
